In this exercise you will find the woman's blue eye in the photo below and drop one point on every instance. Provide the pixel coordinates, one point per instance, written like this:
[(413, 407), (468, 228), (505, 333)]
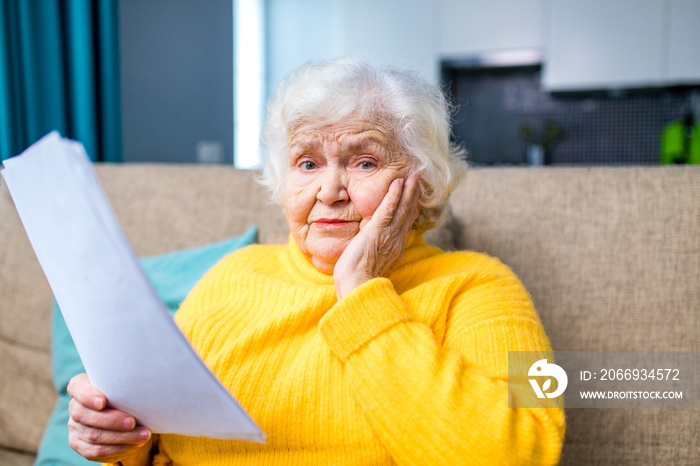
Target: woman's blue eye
[(366, 165), (308, 165)]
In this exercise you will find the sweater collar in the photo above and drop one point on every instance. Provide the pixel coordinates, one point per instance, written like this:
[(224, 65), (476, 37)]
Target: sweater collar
[(416, 249)]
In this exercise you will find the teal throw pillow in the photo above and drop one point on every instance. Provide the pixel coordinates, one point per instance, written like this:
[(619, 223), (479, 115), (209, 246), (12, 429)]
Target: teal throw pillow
[(173, 275)]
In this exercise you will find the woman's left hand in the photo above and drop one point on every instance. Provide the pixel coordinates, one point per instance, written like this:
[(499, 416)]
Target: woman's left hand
[(380, 244)]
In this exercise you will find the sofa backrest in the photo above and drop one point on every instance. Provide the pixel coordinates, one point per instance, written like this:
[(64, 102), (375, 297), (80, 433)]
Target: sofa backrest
[(610, 255)]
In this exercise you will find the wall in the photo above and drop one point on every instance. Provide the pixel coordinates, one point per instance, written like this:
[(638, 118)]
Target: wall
[(176, 78), (299, 31)]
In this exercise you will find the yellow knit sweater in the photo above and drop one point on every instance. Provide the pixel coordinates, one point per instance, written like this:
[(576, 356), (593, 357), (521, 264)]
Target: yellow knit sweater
[(410, 369)]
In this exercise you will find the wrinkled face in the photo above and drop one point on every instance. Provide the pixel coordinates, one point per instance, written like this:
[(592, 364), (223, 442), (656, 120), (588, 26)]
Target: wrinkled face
[(338, 176)]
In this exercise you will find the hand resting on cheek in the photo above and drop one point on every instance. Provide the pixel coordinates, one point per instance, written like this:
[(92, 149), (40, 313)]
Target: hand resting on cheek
[(380, 244)]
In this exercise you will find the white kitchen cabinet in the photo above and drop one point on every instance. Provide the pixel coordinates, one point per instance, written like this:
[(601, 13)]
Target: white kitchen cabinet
[(468, 28), (684, 42), (604, 44)]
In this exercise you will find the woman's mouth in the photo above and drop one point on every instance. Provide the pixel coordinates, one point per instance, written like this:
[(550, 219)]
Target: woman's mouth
[(330, 222)]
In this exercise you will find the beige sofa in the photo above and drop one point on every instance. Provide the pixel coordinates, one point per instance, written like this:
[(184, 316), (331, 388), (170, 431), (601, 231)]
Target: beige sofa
[(610, 255)]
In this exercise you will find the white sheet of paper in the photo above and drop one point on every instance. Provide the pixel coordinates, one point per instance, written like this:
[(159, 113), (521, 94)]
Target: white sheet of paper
[(132, 350)]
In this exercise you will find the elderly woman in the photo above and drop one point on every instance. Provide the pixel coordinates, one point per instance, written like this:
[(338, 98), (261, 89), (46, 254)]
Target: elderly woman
[(356, 342)]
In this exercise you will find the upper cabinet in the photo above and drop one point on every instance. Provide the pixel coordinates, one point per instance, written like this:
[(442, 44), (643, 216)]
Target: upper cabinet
[(472, 27), (684, 42), (602, 44)]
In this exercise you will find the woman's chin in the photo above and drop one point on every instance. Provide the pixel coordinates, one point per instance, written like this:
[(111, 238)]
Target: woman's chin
[(323, 266), (325, 255)]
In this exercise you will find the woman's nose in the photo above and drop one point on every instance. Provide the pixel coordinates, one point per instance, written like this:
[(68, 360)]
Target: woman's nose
[(333, 186)]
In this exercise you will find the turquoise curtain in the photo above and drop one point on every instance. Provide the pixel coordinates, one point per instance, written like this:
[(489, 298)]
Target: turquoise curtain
[(59, 69)]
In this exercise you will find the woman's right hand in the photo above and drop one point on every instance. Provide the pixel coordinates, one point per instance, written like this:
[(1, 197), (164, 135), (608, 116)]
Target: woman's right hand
[(99, 433)]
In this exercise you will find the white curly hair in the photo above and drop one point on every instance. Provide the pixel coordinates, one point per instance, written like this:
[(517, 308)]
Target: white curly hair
[(399, 102)]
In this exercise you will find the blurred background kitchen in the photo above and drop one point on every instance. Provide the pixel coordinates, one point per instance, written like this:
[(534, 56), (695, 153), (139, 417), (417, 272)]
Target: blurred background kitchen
[(534, 82)]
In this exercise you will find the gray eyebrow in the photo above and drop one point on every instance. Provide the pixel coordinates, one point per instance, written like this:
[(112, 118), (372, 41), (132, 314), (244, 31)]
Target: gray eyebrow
[(313, 143), (305, 144)]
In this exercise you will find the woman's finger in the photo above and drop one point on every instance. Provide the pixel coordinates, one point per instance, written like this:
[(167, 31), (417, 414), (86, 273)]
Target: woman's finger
[(97, 436), (100, 453), (81, 390), (88, 407), (107, 453), (111, 419), (387, 208), (409, 205), (398, 210)]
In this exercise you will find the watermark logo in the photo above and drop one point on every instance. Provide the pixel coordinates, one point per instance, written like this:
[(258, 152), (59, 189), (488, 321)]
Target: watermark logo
[(543, 368), (604, 379)]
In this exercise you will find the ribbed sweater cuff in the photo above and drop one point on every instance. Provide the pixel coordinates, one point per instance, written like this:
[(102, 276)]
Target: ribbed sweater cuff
[(361, 315)]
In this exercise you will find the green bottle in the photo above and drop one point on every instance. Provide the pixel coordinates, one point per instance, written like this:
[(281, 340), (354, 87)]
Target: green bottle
[(680, 142)]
